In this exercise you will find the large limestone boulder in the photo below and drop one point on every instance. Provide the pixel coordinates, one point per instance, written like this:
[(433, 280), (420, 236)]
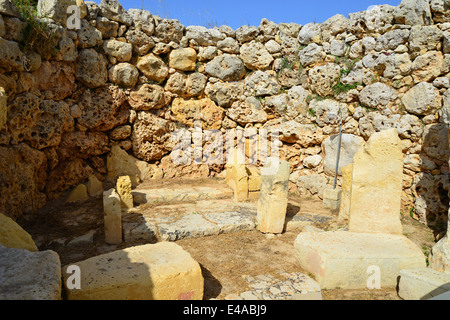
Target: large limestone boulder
[(250, 111), (226, 67), (90, 68), (350, 145), (187, 111), (153, 67), (13, 236), (124, 74), (255, 56), (55, 9), (440, 255), (204, 36), (377, 95), (162, 271), (122, 51), (183, 59), (113, 10), (142, 20), (169, 30), (11, 58), (28, 275), (422, 284), (422, 99), (377, 185), (413, 12), (147, 97), (342, 259)]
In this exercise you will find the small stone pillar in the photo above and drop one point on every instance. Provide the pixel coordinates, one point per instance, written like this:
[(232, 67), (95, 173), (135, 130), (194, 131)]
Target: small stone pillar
[(273, 197), (112, 217), (123, 187), (344, 208)]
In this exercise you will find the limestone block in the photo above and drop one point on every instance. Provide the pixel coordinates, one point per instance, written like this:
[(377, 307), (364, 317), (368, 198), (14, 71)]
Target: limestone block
[(341, 259), (13, 236), (28, 275), (440, 255), (162, 271), (183, 59), (332, 198), (254, 179), (422, 284), (377, 185), (238, 181), (79, 194), (124, 190), (112, 217), (273, 198), (344, 209)]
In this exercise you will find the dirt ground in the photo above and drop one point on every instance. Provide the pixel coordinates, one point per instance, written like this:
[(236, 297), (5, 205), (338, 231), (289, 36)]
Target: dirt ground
[(224, 258)]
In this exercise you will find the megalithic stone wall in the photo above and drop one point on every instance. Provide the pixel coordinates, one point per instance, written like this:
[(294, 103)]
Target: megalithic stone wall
[(128, 79)]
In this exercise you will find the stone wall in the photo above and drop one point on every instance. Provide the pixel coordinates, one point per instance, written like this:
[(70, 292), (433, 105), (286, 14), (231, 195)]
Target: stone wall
[(129, 78)]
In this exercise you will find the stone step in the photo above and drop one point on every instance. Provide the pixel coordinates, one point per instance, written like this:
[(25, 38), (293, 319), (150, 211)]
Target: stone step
[(422, 284), (294, 286), (347, 260), (181, 194), (162, 271)]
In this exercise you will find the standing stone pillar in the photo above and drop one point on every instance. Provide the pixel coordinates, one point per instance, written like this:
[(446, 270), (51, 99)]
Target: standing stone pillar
[(123, 187), (344, 209), (112, 217), (376, 189), (236, 175), (3, 108), (273, 197)]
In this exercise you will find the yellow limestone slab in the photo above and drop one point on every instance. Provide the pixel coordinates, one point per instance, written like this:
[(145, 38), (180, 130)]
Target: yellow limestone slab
[(162, 271)]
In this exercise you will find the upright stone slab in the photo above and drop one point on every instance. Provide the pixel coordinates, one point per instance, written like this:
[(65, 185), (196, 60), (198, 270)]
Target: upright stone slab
[(123, 187), (26, 275), (236, 175), (273, 197), (112, 216), (162, 271), (376, 189), (344, 208)]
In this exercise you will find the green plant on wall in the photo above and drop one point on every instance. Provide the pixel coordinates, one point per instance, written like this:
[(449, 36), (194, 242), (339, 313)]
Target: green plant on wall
[(36, 32)]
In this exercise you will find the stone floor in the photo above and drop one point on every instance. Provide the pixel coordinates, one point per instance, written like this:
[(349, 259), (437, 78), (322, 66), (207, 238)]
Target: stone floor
[(294, 286)]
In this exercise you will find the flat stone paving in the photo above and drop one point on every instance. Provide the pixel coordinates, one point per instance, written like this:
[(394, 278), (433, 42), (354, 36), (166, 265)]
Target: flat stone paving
[(294, 286), (199, 219)]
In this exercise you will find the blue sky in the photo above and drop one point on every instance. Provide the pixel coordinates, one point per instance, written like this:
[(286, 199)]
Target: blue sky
[(237, 13)]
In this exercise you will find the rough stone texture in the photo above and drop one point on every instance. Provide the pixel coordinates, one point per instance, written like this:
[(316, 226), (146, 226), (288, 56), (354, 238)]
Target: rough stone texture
[(151, 136), (13, 236), (162, 271), (422, 99), (11, 58), (341, 259), (28, 275), (91, 68), (250, 111), (112, 217), (147, 97), (323, 78), (440, 255), (189, 226), (261, 83), (255, 56), (272, 203), (350, 145), (169, 30), (120, 163), (188, 111), (204, 36), (226, 67), (94, 186), (377, 95), (413, 12), (23, 176), (422, 284), (183, 59), (377, 185), (153, 67), (113, 10), (124, 75), (123, 188), (55, 80)]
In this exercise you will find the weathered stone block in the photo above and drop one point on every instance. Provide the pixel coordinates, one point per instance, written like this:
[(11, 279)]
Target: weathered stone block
[(344, 209), (28, 275), (13, 236), (377, 185), (422, 284), (113, 217), (273, 198), (341, 259), (78, 194), (332, 198), (162, 271)]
